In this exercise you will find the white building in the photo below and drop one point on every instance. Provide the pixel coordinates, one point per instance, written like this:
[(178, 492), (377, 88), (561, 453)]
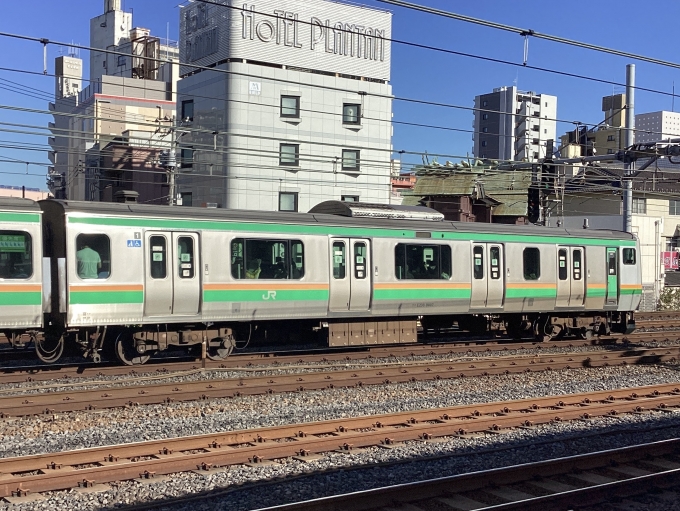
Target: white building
[(513, 125), (129, 85), (656, 126), (296, 105)]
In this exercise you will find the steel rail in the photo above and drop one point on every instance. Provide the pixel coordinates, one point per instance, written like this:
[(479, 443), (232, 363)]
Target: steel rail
[(43, 372), (109, 396), (630, 480), (62, 470)]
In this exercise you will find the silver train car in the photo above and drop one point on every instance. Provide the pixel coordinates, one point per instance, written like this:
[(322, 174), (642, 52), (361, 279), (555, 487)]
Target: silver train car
[(136, 279)]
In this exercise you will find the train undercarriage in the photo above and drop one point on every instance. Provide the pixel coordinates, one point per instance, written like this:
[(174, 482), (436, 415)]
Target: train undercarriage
[(135, 344)]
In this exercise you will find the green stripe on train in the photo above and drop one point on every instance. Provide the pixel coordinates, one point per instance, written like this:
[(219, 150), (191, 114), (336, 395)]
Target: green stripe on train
[(511, 293), (421, 294), (259, 295), (6, 216), (105, 298), (631, 291), (596, 293), (325, 230), (21, 298)]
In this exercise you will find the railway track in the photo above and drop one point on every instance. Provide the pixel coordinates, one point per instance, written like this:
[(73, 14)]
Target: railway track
[(86, 467), (564, 483), (110, 396), (18, 374)]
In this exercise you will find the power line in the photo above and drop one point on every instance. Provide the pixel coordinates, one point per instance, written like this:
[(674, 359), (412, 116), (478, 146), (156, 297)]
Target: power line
[(525, 32)]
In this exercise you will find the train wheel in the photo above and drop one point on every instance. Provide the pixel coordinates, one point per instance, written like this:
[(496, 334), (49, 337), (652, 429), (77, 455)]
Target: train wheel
[(50, 348), (126, 352), (220, 347)]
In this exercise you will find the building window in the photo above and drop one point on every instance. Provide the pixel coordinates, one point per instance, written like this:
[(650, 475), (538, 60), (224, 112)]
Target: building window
[(186, 156), (121, 60), (610, 151), (290, 106), (16, 259), (93, 256), (351, 113), (535, 128), (640, 205), (535, 141), (349, 198), (485, 103), (483, 143), (188, 110), (535, 156), (532, 263), (288, 201), (187, 199), (485, 130), (350, 159), (674, 207), (485, 117), (289, 155), (610, 138)]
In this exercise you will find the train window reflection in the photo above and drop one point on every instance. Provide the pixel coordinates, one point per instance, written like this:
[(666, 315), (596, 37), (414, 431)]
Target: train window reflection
[(16, 259)]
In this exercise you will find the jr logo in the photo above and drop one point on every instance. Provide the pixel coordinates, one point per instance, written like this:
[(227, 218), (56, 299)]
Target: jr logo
[(270, 294)]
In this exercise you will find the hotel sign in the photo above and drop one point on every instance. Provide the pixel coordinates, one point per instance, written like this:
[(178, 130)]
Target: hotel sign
[(340, 38), (317, 35)]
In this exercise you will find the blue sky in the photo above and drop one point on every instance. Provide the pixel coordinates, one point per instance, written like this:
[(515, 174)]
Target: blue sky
[(416, 73)]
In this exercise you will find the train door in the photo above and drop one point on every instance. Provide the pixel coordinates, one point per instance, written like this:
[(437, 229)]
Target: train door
[(173, 280), (350, 277), (158, 286), (487, 276), (612, 276), (578, 283), (570, 284)]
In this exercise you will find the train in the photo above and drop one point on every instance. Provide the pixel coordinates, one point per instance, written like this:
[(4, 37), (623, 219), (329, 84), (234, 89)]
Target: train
[(131, 280)]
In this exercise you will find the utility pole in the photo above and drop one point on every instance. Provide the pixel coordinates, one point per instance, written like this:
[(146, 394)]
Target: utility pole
[(169, 157), (630, 140)]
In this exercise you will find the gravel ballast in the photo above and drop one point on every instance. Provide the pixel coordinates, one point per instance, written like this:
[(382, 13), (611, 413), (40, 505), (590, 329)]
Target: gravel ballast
[(34, 435)]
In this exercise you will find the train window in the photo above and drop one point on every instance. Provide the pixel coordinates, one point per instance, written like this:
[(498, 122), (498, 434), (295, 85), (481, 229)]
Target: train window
[(611, 261), (495, 253), (267, 259), (158, 257), (360, 260), (576, 261), (185, 255), (532, 263), (478, 262), (422, 262), (562, 270), (628, 256), (16, 259), (93, 256), (339, 263)]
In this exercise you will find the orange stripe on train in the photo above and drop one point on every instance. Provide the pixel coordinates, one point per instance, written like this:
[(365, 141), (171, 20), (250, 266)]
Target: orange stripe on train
[(20, 288)]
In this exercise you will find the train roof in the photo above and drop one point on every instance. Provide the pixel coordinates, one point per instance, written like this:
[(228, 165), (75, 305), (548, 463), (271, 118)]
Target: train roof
[(280, 217), (18, 204)]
